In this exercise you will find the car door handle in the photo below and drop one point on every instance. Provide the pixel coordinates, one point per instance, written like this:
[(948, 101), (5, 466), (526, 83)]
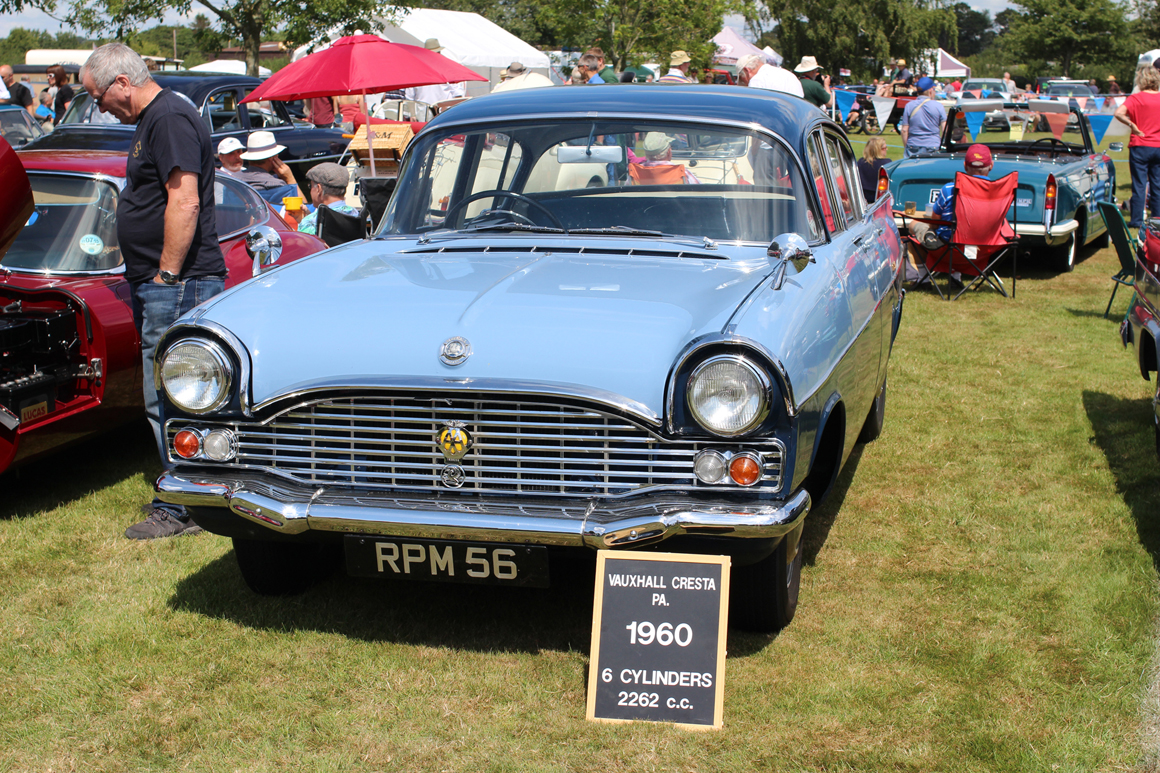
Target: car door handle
[(859, 239)]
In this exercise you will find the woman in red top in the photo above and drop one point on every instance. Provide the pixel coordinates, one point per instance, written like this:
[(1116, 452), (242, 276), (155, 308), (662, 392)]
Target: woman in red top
[(1141, 112)]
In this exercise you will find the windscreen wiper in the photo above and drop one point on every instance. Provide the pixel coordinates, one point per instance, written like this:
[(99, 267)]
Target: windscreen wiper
[(541, 229), (618, 230)]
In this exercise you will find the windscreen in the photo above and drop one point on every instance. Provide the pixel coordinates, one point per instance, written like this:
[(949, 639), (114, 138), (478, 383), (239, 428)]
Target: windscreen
[(72, 228), (604, 177)]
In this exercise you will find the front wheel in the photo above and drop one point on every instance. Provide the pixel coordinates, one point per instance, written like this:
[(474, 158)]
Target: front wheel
[(1063, 256), (764, 596), (283, 568)]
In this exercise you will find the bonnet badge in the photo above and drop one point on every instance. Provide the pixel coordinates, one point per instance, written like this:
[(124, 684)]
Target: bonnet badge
[(453, 441), (455, 351)]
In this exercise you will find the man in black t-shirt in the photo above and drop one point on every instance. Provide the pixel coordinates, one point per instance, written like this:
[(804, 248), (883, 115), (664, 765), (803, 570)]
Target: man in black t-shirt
[(165, 222), (18, 93)]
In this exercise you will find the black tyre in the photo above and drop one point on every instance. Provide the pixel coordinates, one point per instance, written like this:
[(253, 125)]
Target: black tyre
[(875, 419), (869, 122), (1063, 256), (283, 568), (764, 596)]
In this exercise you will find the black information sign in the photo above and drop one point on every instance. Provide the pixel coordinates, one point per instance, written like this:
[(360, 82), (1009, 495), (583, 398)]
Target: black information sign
[(658, 638)]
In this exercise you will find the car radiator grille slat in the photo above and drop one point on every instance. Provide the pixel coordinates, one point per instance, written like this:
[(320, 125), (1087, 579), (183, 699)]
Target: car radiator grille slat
[(518, 447)]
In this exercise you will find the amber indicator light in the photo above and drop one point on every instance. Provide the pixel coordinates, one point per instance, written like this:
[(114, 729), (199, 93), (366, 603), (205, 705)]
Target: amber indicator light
[(186, 443), (744, 470)]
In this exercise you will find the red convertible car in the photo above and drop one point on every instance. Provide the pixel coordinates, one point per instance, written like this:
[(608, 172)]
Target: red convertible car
[(70, 358)]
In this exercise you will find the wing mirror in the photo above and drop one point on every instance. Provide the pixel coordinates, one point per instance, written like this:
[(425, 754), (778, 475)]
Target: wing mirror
[(792, 248), (264, 245), (370, 225)]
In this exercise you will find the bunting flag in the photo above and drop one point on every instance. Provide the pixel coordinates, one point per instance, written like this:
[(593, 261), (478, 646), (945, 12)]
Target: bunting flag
[(1016, 130), (977, 93), (883, 107), (986, 94), (1099, 102), (1099, 124), (975, 123), (1057, 122), (1117, 129), (845, 100), (1083, 102)]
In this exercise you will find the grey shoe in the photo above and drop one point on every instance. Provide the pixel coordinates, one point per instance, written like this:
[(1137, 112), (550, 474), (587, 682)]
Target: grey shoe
[(931, 242), (161, 523)]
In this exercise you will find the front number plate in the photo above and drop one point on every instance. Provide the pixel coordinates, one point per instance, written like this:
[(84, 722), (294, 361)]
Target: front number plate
[(444, 561)]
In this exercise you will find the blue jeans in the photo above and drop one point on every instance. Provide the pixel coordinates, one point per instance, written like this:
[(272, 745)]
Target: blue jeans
[(1145, 165), (155, 308)]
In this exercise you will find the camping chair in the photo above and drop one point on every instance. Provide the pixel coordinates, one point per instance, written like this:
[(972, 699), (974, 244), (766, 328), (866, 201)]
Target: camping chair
[(376, 192), (1126, 247), (336, 228), (981, 207), (662, 174)]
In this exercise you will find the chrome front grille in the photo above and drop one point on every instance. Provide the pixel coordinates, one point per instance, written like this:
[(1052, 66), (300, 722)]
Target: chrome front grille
[(519, 447)]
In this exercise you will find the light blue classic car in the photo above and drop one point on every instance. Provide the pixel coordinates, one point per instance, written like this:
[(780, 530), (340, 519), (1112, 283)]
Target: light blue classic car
[(622, 317), (1076, 175)]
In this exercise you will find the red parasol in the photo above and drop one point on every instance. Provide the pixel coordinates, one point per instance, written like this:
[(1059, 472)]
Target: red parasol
[(360, 64)]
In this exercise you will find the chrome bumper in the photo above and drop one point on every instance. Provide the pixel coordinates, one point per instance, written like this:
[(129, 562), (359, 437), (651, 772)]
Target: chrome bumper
[(289, 509), (1058, 232)]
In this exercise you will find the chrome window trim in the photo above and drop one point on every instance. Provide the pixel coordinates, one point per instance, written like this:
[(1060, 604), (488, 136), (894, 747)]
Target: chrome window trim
[(118, 182), (803, 169), (250, 189), (762, 378), (227, 369)]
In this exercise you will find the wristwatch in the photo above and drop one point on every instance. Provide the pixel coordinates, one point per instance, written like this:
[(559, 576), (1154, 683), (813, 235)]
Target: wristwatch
[(168, 277)]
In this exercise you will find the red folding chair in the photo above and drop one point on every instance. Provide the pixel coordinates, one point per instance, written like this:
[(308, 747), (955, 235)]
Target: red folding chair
[(981, 207)]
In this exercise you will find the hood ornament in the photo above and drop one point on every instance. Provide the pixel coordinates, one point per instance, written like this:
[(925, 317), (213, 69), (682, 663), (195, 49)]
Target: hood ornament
[(455, 351)]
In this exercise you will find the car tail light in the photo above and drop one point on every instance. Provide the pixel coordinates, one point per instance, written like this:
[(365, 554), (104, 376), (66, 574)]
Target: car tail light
[(187, 443), (1050, 193), (744, 469), (883, 183)]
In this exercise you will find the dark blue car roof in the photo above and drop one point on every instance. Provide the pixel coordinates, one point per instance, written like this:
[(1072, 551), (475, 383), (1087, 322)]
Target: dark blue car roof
[(781, 113)]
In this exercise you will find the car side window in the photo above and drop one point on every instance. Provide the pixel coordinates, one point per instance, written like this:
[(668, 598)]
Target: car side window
[(238, 207), (839, 172), (816, 166), (263, 115), (221, 111)]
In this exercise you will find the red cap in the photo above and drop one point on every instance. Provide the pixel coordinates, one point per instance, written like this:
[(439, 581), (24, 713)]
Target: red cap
[(978, 156)]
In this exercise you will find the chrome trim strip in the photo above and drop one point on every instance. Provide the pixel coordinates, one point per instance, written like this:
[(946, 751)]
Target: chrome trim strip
[(649, 520), (1029, 229), (492, 386)]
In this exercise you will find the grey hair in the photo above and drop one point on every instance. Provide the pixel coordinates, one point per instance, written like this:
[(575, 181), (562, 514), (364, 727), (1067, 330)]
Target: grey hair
[(1147, 78), (113, 59), (330, 190)]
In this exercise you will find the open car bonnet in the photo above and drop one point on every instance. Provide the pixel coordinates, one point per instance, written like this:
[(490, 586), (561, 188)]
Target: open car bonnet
[(16, 203)]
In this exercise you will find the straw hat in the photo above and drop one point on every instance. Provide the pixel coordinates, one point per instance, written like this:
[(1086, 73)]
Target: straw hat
[(808, 64), (679, 58), (432, 44), (261, 145)]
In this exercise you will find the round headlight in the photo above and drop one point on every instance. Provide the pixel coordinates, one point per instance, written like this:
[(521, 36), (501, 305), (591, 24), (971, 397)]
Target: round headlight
[(196, 376), (728, 395)]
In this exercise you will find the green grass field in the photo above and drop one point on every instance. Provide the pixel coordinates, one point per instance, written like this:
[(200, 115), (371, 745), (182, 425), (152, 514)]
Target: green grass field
[(980, 594)]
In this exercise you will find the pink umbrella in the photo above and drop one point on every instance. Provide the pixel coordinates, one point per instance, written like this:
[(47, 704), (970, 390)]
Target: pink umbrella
[(361, 64)]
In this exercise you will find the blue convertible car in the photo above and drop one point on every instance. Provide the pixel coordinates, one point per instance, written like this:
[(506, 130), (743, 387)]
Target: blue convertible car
[(613, 318), (1060, 183)]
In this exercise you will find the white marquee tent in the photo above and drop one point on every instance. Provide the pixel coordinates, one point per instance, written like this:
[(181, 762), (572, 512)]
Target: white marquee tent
[(473, 41)]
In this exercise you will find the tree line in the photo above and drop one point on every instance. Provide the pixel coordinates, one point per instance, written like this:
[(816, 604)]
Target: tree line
[(1074, 38)]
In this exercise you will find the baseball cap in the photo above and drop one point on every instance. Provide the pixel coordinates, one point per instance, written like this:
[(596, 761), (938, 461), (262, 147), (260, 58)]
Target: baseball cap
[(978, 157), (229, 145), (924, 84), (330, 174)]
